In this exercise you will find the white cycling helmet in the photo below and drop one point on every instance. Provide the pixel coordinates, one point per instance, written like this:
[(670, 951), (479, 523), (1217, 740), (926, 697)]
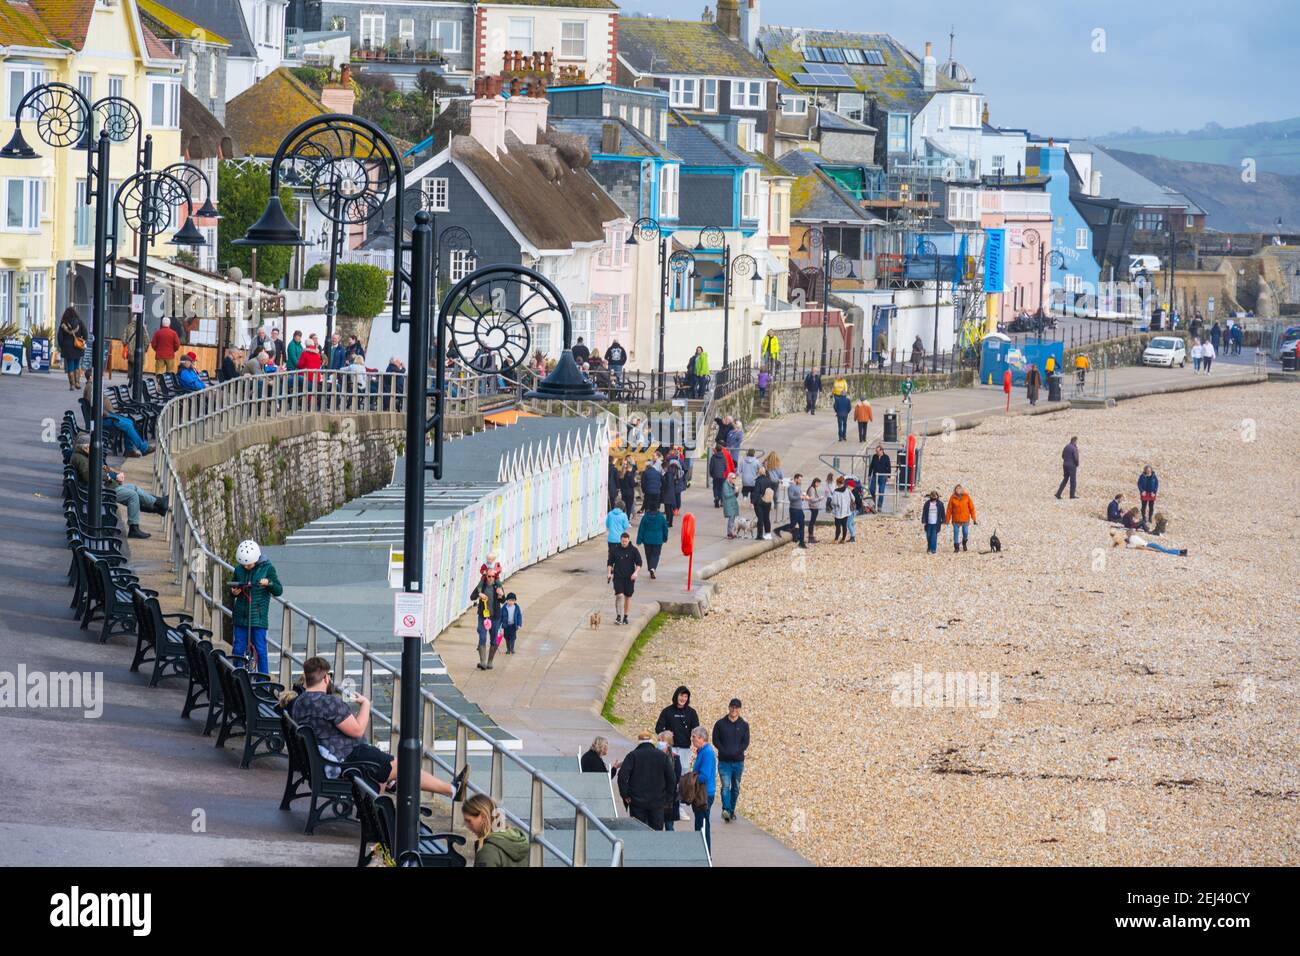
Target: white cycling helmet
[(248, 552)]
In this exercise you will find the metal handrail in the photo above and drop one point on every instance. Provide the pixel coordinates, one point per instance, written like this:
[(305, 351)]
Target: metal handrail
[(205, 416)]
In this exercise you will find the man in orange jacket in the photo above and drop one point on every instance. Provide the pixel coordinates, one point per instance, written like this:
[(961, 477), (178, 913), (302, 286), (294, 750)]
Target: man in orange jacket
[(961, 515), (862, 415)]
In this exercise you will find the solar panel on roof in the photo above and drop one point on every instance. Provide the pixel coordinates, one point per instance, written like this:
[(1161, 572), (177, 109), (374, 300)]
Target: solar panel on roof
[(822, 74), (854, 55), (832, 54), (875, 57), (813, 53)]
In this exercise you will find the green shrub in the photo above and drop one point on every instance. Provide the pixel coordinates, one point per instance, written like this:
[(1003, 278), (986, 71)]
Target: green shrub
[(363, 290), (312, 279)]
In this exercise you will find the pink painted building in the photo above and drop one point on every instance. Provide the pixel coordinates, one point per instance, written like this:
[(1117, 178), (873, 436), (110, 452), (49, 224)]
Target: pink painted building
[(1027, 218)]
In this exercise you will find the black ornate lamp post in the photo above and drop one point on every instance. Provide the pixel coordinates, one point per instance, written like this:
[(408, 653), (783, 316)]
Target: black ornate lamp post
[(743, 265), (834, 266), (64, 118), (477, 313), (646, 229), (148, 201), (1055, 259)]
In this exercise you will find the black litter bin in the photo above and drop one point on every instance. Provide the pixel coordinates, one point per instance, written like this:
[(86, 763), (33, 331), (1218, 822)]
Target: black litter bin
[(1288, 361), (891, 426), (904, 479), (1054, 388)]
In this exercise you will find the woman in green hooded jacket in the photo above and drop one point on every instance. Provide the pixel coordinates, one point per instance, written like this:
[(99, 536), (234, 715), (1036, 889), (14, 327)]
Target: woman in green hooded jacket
[(493, 846)]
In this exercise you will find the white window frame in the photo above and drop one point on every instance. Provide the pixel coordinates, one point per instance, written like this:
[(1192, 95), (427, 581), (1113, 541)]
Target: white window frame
[(749, 195), (1081, 238), (709, 95), (460, 264), (684, 92), (368, 22), (6, 294), (794, 106), (171, 103), (406, 29), (514, 36), (748, 94), (86, 85), (31, 192), (439, 187), (857, 112), (746, 133), (32, 76), (38, 295), (115, 85), (900, 120), (670, 184), (965, 112), (999, 165), (437, 35), (566, 49), (83, 221)]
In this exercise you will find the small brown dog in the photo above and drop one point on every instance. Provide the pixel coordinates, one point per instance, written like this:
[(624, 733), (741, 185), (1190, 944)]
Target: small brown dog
[(594, 620)]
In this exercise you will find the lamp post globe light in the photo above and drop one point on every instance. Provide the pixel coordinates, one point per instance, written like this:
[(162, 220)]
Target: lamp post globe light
[(834, 266), (646, 229), (354, 170), (64, 117)]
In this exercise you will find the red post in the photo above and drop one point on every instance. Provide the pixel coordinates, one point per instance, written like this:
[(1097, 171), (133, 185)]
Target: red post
[(688, 545), (1006, 387)]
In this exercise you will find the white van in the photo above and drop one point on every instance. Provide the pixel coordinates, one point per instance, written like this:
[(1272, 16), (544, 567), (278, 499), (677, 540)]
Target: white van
[(1148, 264)]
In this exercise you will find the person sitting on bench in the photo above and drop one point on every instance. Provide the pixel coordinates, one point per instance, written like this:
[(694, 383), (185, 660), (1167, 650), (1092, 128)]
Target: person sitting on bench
[(340, 732), (129, 495)]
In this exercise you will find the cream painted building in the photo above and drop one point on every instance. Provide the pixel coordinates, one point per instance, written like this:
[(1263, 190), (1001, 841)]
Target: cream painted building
[(102, 48)]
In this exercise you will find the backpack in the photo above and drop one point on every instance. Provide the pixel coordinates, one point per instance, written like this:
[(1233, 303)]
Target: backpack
[(692, 790), (769, 495)]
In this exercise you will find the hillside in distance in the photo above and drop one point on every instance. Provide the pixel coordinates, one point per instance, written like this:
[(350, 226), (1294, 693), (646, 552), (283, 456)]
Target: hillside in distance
[(1274, 146), (1232, 205)]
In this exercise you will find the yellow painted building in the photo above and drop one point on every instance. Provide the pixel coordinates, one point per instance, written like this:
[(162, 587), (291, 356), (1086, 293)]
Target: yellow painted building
[(46, 227)]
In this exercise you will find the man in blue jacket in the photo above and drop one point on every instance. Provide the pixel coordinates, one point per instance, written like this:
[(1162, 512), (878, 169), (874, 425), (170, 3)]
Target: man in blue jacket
[(842, 408), (706, 765), (187, 378), (616, 522)]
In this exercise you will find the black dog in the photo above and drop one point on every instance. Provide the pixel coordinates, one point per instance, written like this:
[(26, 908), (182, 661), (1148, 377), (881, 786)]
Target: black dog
[(995, 546)]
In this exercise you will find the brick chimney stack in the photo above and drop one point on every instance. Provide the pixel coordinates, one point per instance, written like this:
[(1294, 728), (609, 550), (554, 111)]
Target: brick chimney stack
[(729, 18)]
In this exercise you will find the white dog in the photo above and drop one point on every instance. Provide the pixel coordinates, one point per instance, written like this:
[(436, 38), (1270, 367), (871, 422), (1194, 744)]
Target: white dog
[(745, 527)]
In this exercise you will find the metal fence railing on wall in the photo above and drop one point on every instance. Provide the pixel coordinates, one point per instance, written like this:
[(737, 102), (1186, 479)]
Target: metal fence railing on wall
[(200, 417)]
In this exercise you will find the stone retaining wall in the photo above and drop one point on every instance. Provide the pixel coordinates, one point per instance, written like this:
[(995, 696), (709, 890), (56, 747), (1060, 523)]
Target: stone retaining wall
[(267, 480)]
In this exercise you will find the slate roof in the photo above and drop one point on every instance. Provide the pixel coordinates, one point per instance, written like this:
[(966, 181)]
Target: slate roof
[(698, 147), (261, 116), (222, 17), (544, 190), (815, 197), (1122, 182), (685, 48), (839, 123), (896, 85), (632, 142)]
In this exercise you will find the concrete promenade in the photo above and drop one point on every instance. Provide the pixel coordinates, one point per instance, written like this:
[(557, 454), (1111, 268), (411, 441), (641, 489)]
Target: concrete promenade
[(130, 787), (124, 788)]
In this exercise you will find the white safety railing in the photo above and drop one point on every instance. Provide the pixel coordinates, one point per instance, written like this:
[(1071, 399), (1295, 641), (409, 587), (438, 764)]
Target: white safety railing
[(201, 417)]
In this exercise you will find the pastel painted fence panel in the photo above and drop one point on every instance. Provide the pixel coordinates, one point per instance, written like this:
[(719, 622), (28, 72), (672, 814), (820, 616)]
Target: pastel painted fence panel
[(552, 499)]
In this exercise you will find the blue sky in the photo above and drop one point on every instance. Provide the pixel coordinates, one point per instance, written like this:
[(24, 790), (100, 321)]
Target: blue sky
[(1167, 64)]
